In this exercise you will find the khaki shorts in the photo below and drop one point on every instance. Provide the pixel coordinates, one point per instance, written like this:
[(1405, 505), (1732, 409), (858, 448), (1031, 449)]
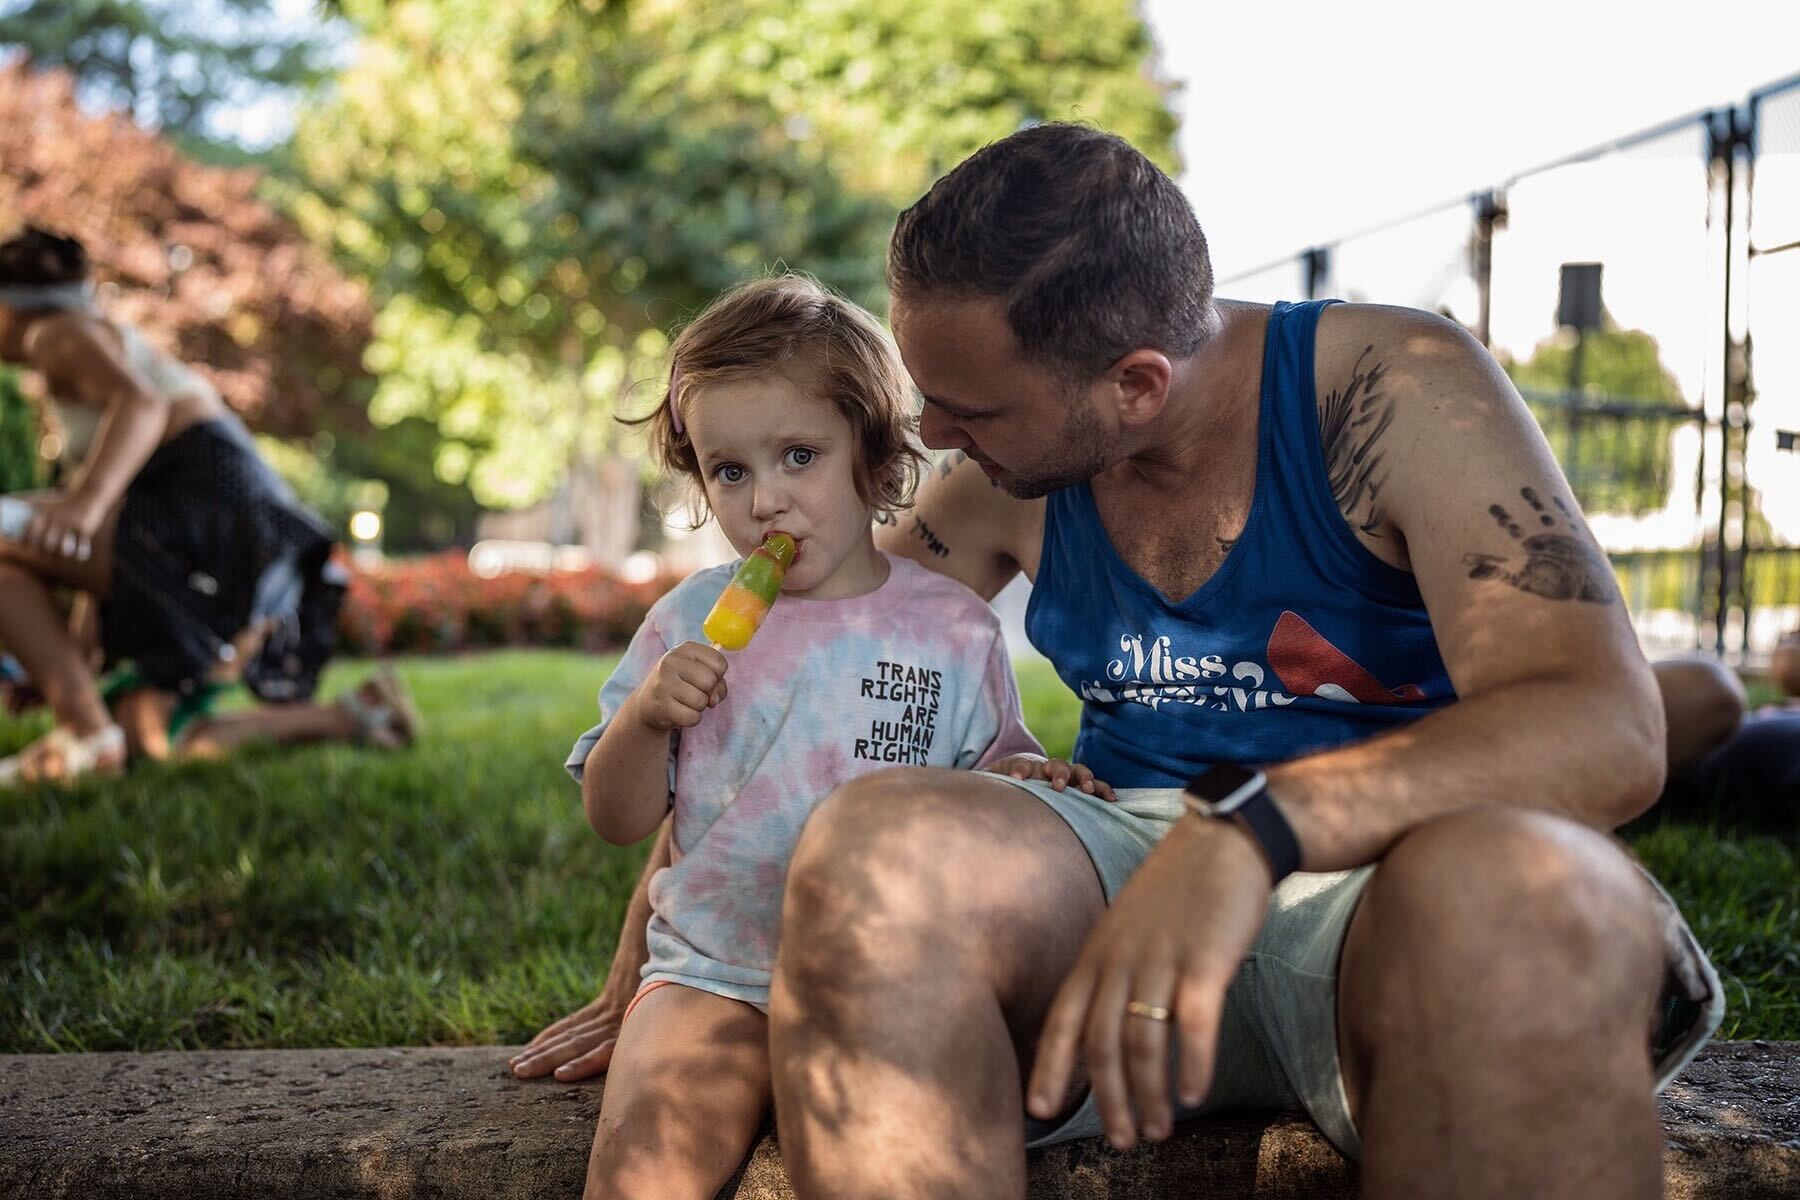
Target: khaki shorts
[(1278, 1036)]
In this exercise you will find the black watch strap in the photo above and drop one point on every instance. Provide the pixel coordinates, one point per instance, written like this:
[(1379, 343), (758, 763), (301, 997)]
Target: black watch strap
[(1263, 818)]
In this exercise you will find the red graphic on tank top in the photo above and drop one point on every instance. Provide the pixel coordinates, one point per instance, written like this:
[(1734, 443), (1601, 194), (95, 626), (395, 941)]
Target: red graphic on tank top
[(1308, 665)]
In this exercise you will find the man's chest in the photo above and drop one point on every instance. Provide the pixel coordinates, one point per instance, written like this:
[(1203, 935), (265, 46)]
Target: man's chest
[(1175, 543)]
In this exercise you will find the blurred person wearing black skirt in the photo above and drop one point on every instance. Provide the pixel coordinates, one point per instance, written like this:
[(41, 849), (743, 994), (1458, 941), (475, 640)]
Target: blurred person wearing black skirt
[(200, 560)]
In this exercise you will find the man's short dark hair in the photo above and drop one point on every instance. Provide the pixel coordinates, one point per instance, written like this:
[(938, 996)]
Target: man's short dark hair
[(1094, 250)]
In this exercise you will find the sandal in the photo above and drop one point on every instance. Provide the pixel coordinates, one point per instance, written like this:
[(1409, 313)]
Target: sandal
[(100, 753), (383, 710)]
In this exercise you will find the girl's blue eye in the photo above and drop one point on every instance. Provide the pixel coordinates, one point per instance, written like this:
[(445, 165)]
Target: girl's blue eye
[(800, 456), (729, 473)]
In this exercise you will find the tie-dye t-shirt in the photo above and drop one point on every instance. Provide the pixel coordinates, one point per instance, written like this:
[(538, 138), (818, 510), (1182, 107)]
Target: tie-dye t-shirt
[(913, 673)]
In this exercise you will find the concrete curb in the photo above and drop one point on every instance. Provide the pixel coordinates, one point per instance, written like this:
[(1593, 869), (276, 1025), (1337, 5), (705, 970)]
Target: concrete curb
[(450, 1123)]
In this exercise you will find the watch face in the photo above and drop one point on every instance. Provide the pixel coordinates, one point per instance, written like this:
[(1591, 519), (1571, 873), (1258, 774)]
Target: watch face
[(1222, 782)]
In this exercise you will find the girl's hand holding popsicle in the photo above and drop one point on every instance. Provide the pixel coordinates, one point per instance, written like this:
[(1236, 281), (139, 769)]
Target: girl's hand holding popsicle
[(689, 680)]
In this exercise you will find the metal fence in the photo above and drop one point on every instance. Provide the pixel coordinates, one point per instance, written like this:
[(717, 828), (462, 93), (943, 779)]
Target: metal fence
[(1678, 425)]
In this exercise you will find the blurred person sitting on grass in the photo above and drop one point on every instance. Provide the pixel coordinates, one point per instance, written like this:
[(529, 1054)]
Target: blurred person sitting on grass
[(789, 411), (1727, 764), (169, 520)]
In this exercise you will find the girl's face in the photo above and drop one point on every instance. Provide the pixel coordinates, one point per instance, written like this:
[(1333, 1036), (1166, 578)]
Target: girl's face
[(774, 457)]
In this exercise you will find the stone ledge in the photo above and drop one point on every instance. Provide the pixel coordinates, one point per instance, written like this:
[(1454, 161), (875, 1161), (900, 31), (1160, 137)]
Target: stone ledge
[(453, 1123)]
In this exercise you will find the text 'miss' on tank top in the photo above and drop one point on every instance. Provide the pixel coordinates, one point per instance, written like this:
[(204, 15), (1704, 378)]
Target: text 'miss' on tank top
[(1301, 641)]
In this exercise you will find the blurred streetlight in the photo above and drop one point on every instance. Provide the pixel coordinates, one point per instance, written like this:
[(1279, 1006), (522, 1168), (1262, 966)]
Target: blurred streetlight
[(365, 530)]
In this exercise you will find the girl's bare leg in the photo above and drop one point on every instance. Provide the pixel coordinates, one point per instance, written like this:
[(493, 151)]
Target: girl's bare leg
[(686, 1093)]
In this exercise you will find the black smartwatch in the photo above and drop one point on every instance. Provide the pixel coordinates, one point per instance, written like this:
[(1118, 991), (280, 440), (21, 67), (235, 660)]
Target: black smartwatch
[(1233, 793)]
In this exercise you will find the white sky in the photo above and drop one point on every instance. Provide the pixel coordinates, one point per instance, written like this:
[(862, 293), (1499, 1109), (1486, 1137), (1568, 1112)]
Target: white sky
[(1306, 120)]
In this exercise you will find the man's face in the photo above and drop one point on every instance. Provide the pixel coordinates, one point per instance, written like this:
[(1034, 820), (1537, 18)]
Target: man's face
[(1031, 431)]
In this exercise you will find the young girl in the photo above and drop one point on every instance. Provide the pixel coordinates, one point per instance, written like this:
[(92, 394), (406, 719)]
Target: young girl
[(789, 408)]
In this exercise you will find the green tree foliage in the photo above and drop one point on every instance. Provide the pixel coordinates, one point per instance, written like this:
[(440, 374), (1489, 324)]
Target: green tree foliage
[(191, 254), (174, 65), (541, 190), (18, 437), (1611, 429)]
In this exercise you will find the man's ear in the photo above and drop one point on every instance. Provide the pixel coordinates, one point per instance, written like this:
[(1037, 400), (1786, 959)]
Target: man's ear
[(1142, 382)]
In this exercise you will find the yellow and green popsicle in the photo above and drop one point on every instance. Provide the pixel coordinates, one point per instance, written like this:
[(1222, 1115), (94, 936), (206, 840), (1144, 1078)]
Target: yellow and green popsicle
[(746, 600)]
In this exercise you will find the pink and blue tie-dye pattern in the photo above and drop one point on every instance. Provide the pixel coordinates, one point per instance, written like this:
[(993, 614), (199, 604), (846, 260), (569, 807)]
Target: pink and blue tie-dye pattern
[(915, 672)]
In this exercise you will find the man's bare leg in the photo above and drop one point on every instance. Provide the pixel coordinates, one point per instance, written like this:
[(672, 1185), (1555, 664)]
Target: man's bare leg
[(1496, 992), (929, 918)]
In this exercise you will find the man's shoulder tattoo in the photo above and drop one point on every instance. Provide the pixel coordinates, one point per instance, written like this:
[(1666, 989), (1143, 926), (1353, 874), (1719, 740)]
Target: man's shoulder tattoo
[(1352, 421)]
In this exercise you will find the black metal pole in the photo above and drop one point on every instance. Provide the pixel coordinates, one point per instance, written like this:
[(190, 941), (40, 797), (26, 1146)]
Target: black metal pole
[(1724, 152), (1318, 269), (1490, 214)]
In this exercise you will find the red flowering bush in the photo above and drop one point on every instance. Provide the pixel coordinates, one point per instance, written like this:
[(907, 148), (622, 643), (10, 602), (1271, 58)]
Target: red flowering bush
[(437, 605)]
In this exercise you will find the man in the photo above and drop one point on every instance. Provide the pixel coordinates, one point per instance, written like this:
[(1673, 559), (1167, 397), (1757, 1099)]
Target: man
[(1329, 539)]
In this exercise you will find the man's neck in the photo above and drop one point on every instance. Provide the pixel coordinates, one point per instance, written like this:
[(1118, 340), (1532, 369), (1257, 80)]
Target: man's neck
[(1211, 410)]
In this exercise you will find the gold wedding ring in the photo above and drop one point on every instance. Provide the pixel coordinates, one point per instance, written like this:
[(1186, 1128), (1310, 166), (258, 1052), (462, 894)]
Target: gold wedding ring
[(1137, 1008)]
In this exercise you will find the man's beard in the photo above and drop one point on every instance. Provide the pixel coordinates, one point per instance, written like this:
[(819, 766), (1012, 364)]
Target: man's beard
[(1082, 451)]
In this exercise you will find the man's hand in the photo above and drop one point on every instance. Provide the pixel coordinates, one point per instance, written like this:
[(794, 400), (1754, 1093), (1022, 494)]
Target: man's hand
[(1060, 774), (689, 680), (580, 1045), (1170, 944)]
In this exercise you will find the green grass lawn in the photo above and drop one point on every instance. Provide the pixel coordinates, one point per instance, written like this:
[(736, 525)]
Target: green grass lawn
[(339, 897)]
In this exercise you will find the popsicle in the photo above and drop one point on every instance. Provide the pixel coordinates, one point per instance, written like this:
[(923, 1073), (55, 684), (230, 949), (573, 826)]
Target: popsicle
[(746, 600)]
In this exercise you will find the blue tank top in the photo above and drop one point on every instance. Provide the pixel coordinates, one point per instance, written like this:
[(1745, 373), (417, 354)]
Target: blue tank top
[(1302, 640)]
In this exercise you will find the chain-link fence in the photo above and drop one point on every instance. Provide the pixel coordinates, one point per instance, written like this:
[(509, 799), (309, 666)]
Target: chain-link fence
[(1673, 406), (1771, 363)]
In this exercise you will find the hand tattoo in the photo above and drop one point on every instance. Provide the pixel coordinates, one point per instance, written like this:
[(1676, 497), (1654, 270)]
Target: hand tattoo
[(1350, 427), (1558, 565)]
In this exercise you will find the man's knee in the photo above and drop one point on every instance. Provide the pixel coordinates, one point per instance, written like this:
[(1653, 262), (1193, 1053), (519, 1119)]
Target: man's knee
[(1510, 912), (873, 857), (921, 869)]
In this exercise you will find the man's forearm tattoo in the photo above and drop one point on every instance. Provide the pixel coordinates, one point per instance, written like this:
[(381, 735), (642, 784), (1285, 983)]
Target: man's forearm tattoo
[(1561, 562), (930, 539), (1350, 428)]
